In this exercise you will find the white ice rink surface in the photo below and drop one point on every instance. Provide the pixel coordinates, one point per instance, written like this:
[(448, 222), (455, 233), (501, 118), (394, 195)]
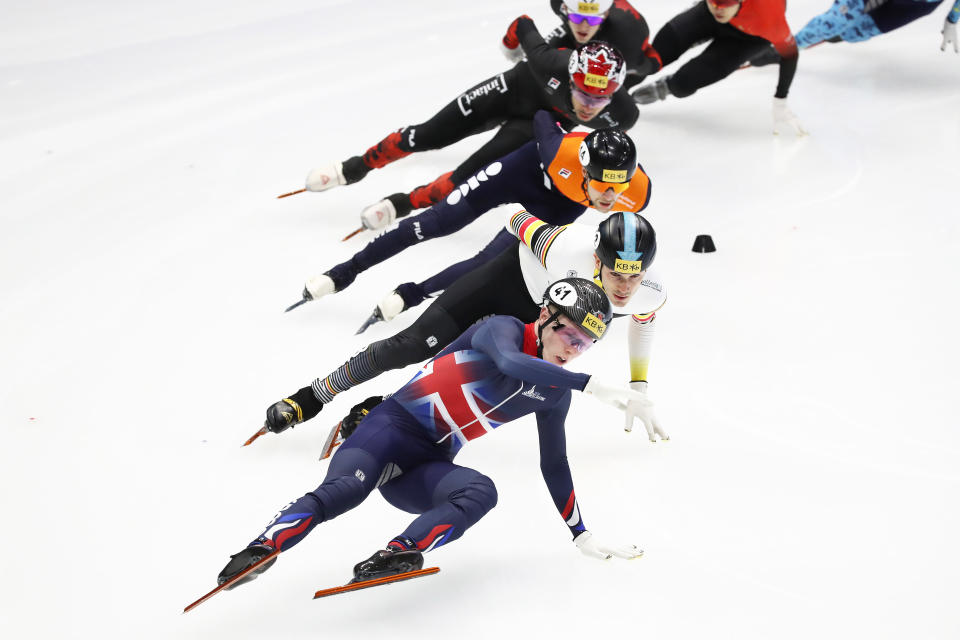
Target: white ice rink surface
[(805, 370)]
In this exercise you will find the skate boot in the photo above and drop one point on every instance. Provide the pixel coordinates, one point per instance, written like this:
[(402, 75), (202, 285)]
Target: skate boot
[(378, 216), (282, 415), (318, 286), (301, 406), (349, 424), (246, 558), (326, 177), (388, 562), (652, 92)]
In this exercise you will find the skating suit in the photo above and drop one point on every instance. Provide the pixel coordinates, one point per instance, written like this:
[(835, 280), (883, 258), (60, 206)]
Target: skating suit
[(405, 446), (859, 20)]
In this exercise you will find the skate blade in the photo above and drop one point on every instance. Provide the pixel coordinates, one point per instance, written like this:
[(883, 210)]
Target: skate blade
[(232, 581), (376, 582)]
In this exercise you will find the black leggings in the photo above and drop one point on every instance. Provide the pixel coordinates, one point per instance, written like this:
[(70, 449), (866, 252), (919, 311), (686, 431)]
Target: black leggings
[(496, 288), (730, 49)]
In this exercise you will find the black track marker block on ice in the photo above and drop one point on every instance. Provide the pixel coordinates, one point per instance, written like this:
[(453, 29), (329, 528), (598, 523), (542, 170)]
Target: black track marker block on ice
[(704, 244)]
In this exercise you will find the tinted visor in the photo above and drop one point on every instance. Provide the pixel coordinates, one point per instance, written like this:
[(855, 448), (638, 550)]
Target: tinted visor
[(618, 187), (571, 336), (577, 18)]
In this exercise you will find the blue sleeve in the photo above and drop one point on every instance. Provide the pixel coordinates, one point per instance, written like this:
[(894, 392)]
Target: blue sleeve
[(501, 338), (954, 14), (554, 465), (548, 135)]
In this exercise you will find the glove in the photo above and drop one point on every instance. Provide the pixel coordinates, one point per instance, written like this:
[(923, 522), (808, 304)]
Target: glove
[(595, 549), (643, 412), (949, 32), (513, 56), (510, 44), (784, 119), (616, 396), (349, 424), (291, 411), (651, 92)]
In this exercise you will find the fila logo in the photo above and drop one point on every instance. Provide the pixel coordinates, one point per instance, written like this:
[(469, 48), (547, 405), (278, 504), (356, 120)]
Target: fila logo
[(553, 83), (360, 475), (416, 230), (532, 394), (410, 141), (432, 341), (564, 173)]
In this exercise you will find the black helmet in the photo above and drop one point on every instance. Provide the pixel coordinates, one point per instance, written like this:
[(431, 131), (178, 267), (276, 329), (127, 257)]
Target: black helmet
[(625, 242), (582, 302), (608, 155)]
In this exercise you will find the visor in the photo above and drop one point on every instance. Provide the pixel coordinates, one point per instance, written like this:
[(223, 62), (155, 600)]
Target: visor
[(571, 336), (577, 18), (591, 101), (618, 187)]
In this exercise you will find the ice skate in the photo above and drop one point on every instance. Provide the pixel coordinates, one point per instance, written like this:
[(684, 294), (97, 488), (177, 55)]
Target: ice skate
[(318, 286), (378, 216), (388, 562), (652, 92), (327, 177), (246, 558)]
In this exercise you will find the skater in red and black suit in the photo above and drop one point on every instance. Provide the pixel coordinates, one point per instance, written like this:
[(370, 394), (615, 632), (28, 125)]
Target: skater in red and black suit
[(578, 87), (497, 371), (738, 30), (615, 22)]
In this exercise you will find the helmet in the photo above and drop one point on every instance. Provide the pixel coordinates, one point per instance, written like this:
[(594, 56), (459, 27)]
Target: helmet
[(608, 155), (582, 302), (597, 69), (626, 243), (587, 8)]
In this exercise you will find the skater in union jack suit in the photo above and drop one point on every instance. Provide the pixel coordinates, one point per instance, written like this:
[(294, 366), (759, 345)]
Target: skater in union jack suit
[(495, 372)]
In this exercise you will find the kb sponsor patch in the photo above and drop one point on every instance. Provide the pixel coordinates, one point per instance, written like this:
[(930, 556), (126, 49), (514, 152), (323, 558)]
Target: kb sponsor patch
[(594, 324), (628, 266)]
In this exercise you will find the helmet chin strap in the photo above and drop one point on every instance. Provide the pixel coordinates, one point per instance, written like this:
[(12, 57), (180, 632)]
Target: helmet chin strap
[(586, 190), (540, 327)]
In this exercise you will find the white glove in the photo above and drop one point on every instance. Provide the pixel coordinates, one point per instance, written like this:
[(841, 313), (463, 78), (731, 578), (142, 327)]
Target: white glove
[(319, 286), (377, 216), (644, 413), (785, 120), (513, 55), (949, 32), (589, 546), (391, 306), (616, 396)]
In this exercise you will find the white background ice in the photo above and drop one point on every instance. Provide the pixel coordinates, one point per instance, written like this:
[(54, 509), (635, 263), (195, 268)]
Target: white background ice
[(805, 370)]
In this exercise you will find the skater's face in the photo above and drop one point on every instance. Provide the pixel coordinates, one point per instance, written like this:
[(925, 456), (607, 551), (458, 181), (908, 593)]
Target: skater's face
[(580, 26), (586, 106), (560, 339), (604, 195), (619, 287), (723, 10)]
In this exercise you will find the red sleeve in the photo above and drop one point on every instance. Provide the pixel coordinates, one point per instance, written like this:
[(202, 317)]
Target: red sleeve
[(767, 19)]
